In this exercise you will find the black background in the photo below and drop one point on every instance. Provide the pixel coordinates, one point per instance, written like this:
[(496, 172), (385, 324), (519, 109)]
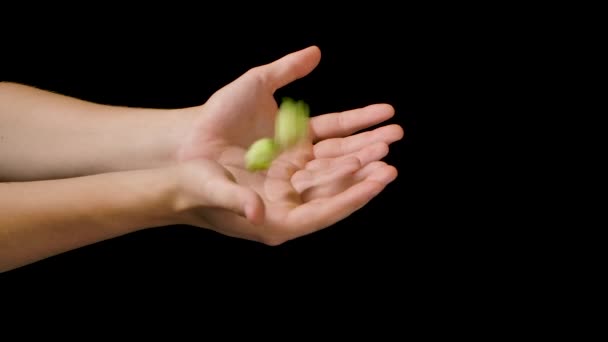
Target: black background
[(422, 231)]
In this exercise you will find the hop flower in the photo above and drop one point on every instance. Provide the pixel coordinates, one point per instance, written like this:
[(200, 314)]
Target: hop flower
[(260, 154), (291, 125)]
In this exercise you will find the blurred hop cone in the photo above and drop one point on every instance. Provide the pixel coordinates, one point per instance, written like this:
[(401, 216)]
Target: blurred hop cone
[(260, 154), (291, 125)]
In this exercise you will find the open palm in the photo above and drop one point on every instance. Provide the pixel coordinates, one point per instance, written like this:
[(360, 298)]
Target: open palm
[(307, 188)]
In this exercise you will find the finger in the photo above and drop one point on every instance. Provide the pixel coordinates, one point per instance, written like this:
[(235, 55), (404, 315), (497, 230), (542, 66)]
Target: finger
[(342, 146), (240, 200), (290, 67), (290, 161), (377, 171), (375, 151), (367, 170), (277, 185), (327, 177), (343, 124), (299, 154), (330, 186), (316, 215)]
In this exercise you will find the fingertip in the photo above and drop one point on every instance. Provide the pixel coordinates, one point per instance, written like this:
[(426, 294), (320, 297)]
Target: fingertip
[(386, 175), (350, 169), (389, 109), (391, 173), (380, 149), (254, 210), (314, 49), (391, 133), (316, 52), (401, 132), (380, 172), (384, 109)]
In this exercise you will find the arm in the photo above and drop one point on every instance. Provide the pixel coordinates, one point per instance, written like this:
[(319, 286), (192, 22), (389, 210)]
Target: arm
[(44, 135), (44, 218)]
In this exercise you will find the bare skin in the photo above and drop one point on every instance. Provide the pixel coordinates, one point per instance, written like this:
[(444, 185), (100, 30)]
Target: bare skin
[(81, 172)]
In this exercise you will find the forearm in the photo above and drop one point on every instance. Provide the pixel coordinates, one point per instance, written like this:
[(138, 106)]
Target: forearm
[(43, 218), (44, 135)]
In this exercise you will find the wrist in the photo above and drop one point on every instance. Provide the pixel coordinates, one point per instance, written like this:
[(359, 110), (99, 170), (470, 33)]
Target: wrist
[(186, 199), (175, 195), (183, 120), (158, 138), (154, 193)]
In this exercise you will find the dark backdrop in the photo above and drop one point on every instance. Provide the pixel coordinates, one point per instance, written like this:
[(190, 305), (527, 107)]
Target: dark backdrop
[(418, 232)]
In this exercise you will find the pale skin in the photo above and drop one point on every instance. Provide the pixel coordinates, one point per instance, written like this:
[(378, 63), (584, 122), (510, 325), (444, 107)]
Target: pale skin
[(75, 172)]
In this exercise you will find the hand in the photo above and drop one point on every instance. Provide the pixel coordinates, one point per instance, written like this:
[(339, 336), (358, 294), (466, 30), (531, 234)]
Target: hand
[(306, 189), (293, 198)]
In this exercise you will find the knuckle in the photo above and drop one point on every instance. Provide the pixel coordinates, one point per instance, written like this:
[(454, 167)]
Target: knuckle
[(258, 74), (341, 121)]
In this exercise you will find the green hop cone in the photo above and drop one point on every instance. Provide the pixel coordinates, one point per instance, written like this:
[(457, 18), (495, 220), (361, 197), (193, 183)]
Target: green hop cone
[(260, 154), (291, 125)]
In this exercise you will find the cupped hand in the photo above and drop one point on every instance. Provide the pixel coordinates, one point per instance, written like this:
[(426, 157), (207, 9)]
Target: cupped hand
[(296, 196), (307, 188)]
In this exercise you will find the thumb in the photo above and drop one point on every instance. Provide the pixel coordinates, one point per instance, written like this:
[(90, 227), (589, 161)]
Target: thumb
[(291, 67), (241, 200)]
